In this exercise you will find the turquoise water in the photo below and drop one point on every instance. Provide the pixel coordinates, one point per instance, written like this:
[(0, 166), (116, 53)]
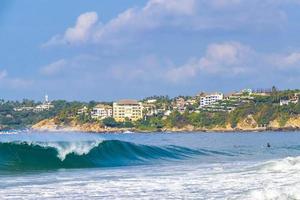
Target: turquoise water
[(150, 166)]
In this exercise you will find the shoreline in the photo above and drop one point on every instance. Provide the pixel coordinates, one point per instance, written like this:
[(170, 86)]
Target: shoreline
[(137, 131), (246, 125)]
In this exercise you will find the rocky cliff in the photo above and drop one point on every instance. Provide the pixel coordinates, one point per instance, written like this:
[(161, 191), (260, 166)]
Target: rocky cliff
[(291, 123), (50, 125), (246, 124)]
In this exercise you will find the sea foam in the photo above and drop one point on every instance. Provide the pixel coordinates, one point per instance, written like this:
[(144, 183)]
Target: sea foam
[(76, 147)]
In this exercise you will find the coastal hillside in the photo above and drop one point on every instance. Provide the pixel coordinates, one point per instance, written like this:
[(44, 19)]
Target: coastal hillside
[(240, 111)]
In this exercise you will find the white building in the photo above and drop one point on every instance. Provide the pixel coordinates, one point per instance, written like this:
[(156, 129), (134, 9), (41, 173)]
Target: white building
[(82, 111), (294, 100), (208, 99), (149, 109), (179, 105), (101, 111), (284, 102), (46, 105), (43, 107)]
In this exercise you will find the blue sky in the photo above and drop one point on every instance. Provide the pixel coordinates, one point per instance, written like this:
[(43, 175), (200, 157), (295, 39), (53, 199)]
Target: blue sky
[(107, 50)]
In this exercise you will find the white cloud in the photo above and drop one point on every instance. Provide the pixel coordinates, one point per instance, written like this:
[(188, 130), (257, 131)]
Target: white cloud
[(3, 74), (173, 7), (80, 33), (146, 68), (229, 58), (75, 66), (9, 82), (291, 59), (19, 83), (285, 61), (54, 67), (225, 60), (224, 3), (154, 14), (83, 26)]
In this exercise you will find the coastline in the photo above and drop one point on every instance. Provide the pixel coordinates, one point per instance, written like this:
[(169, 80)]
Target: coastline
[(165, 130), (66, 129), (182, 131), (246, 125)]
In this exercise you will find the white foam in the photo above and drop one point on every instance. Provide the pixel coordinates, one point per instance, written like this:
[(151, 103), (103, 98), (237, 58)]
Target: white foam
[(276, 194), (283, 165), (231, 181), (78, 148), (65, 148)]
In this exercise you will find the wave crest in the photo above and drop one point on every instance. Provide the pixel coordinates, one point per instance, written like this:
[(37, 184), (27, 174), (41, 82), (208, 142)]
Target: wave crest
[(64, 149), (107, 153)]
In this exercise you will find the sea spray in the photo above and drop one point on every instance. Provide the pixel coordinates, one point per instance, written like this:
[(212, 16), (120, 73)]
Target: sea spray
[(65, 148)]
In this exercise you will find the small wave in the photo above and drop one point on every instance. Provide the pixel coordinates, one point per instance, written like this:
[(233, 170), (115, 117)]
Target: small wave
[(288, 164), (294, 147)]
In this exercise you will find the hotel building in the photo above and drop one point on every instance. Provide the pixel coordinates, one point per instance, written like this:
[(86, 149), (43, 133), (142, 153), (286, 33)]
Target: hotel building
[(127, 109)]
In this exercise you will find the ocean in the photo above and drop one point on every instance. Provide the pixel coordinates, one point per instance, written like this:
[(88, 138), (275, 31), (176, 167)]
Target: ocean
[(150, 166)]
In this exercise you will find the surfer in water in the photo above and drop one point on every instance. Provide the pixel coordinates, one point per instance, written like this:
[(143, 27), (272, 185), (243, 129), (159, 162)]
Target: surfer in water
[(268, 145)]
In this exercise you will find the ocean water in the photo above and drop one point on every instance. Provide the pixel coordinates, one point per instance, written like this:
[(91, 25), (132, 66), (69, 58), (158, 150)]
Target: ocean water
[(150, 166)]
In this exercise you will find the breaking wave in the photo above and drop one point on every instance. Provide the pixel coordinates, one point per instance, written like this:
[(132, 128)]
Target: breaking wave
[(88, 154), (288, 164)]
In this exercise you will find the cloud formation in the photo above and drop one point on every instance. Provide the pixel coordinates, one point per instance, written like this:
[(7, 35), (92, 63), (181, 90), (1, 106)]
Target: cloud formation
[(285, 61), (229, 58), (154, 14), (229, 64), (185, 15), (80, 33), (54, 68)]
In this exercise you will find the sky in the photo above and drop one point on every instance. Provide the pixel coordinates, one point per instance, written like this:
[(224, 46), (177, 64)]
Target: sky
[(110, 49)]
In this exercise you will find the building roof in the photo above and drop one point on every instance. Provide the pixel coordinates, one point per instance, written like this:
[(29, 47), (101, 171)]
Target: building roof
[(128, 102), (103, 106)]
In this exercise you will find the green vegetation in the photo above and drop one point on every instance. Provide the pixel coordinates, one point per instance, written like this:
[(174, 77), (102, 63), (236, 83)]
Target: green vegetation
[(12, 119), (111, 122), (207, 119)]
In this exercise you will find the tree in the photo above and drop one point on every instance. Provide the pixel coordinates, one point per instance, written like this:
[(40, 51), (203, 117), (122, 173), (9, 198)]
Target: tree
[(110, 122)]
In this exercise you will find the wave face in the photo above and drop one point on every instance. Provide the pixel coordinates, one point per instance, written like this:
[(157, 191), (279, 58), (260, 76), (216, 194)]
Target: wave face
[(108, 153)]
